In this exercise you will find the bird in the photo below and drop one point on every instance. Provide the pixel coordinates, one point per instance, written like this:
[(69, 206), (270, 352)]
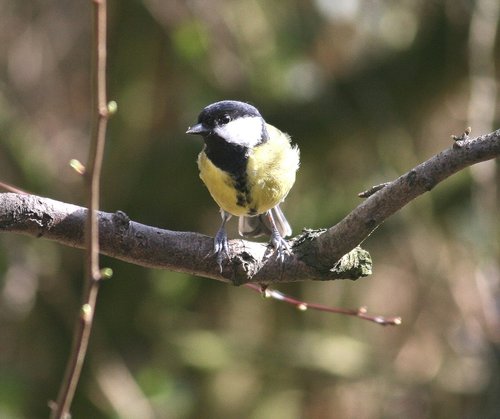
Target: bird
[(249, 167)]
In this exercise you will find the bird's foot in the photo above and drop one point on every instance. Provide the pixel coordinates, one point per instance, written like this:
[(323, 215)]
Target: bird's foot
[(221, 248), (280, 245)]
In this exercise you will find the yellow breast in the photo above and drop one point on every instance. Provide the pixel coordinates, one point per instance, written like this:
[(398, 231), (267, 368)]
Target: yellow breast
[(270, 174)]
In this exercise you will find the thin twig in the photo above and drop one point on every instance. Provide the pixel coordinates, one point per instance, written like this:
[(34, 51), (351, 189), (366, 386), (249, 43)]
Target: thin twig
[(92, 179), (361, 312), (11, 188), (372, 190)]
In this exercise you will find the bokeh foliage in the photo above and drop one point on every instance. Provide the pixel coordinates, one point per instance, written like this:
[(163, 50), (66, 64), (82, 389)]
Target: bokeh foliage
[(367, 89)]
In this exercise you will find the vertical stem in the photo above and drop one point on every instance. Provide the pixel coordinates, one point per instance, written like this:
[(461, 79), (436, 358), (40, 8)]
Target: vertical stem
[(92, 181)]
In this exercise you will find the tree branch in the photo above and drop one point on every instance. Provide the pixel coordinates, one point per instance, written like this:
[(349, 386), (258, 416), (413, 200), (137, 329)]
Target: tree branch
[(365, 218), (317, 255)]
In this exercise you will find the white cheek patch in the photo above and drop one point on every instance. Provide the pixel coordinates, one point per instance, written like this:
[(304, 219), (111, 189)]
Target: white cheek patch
[(245, 131)]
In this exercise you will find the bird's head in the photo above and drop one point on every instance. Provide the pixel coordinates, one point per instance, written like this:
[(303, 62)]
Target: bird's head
[(234, 122)]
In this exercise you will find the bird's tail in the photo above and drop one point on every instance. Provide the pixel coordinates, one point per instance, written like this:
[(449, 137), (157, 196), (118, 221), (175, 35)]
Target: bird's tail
[(259, 225)]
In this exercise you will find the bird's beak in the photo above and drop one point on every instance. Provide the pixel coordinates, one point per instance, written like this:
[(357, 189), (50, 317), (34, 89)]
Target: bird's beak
[(197, 129)]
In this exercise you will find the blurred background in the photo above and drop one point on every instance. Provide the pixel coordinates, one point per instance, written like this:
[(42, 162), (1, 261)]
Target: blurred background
[(367, 89)]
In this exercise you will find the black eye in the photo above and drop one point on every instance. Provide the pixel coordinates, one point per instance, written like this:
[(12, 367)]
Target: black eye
[(224, 119)]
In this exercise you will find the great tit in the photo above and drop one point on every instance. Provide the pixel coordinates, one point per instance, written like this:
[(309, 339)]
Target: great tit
[(248, 167)]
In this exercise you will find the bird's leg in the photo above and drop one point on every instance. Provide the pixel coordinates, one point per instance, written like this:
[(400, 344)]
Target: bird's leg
[(220, 240), (277, 242)]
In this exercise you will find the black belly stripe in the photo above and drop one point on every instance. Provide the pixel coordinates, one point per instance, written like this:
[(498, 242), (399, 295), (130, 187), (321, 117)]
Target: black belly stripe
[(233, 159), (240, 183), (241, 200)]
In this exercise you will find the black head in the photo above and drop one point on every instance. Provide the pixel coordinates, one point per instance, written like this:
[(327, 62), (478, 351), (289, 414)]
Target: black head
[(233, 121), (221, 113)]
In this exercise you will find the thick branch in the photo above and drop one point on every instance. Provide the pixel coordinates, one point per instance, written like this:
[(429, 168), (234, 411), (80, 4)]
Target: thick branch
[(157, 248), (315, 254)]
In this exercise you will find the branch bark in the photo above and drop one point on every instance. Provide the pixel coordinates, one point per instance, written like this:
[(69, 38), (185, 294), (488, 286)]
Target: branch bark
[(316, 255)]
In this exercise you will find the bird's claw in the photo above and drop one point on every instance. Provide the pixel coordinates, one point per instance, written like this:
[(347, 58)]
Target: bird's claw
[(221, 248), (280, 246)]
